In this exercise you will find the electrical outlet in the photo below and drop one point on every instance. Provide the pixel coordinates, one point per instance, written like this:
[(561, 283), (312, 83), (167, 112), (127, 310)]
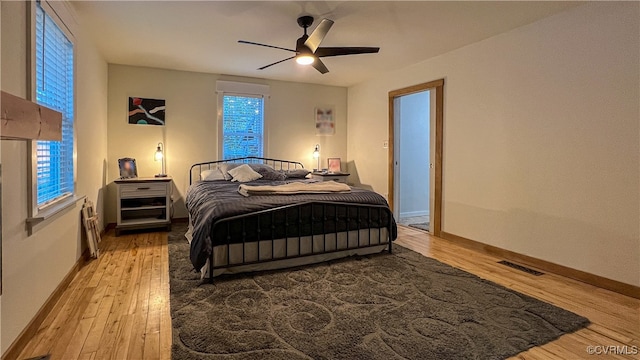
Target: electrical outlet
[(385, 144)]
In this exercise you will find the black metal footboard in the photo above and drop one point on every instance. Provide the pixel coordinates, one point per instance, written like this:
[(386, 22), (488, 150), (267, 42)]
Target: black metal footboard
[(292, 223)]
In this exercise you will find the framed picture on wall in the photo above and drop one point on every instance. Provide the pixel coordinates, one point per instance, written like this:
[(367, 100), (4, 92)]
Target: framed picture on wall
[(325, 120), (146, 111), (334, 165)]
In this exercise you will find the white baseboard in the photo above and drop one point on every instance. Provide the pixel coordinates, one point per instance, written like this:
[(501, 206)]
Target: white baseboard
[(414, 213)]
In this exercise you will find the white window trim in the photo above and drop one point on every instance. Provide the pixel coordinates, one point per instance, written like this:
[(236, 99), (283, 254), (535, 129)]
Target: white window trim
[(64, 17), (243, 89)]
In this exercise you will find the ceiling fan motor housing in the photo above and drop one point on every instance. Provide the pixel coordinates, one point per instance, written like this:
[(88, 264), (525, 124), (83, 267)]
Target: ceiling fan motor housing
[(305, 22)]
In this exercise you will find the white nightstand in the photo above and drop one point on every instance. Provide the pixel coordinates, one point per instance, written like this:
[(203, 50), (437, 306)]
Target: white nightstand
[(339, 177), (143, 203)]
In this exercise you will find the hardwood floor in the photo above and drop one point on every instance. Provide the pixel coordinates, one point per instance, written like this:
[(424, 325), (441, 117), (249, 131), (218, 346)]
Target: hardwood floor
[(117, 307)]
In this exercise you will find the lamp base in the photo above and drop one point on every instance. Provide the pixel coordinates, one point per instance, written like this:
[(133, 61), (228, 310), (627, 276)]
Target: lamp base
[(160, 175)]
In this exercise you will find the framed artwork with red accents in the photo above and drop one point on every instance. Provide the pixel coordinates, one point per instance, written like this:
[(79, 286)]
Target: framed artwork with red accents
[(146, 111)]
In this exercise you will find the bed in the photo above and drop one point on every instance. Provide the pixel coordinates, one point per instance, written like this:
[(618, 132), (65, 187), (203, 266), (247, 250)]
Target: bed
[(231, 233)]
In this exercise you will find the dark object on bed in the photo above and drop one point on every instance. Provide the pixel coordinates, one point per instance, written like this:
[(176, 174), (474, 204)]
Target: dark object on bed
[(221, 216), (297, 173), (268, 173)]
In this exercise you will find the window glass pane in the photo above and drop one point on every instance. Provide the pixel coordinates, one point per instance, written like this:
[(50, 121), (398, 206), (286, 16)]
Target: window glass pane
[(54, 89), (242, 126)]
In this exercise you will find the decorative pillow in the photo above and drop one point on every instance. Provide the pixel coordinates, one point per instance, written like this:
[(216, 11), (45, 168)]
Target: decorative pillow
[(267, 172), (244, 173), (225, 167), (297, 173), (211, 174)]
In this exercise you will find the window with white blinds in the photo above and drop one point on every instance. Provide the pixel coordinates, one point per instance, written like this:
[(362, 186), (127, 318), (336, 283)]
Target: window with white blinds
[(54, 89), (242, 126)]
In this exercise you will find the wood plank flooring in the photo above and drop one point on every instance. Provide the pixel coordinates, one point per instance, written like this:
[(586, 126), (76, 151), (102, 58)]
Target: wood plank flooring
[(117, 307)]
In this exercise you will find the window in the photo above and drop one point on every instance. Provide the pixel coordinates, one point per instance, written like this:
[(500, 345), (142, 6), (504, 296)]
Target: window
[(54, 75), (241, 123), (242, 126)]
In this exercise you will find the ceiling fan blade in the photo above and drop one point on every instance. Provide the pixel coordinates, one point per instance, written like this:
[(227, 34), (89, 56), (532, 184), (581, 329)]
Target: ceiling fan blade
[(269, 46), (275, 63), (339, 51), (318, 34), (319, 65)]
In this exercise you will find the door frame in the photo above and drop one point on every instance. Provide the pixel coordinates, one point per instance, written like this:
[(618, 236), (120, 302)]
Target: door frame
[(438, 85)]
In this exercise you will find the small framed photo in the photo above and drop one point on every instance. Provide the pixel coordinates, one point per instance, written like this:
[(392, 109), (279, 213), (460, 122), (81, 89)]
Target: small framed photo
[(334, 165), (128, 168)]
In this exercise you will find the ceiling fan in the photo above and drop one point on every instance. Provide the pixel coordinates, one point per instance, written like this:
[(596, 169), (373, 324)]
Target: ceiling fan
[(308, 50)]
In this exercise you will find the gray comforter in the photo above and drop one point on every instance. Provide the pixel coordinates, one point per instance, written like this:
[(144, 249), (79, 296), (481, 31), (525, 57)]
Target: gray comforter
[(210, 201)]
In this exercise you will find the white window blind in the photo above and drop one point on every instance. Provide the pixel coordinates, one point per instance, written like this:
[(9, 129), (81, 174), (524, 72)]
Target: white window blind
[(54, 89), (242, 126)]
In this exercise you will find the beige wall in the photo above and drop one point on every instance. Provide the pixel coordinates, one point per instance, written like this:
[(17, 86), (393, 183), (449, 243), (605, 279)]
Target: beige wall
[(33, 266), (191, 131), (541, 138)]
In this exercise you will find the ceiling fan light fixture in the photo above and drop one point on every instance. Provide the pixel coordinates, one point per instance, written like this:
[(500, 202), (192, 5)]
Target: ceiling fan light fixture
[(308, 50), (305, 59)]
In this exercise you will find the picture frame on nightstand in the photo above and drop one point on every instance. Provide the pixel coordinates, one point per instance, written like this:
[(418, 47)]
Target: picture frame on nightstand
[(335, 166), (128, 169)]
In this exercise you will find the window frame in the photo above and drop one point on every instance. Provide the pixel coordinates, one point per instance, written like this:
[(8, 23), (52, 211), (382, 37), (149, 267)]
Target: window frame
[(63, 17), (232, 88)]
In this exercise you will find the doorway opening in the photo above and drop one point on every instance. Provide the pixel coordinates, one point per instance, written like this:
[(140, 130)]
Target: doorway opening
[(412, 170), (415, 152)]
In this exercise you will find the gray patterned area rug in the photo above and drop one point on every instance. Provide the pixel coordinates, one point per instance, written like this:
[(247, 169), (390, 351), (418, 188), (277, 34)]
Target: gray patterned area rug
[(385, 306), (421, 226)]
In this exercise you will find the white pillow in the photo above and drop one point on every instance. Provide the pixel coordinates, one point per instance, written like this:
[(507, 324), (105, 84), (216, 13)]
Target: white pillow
[(211, 174), (244, 173), (225, 167)]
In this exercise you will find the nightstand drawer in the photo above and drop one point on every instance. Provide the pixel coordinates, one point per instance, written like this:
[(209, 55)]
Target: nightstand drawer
[(341, 179), (143, 190)]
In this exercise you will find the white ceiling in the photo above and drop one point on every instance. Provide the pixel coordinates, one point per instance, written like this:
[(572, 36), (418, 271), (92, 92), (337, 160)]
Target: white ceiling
[(202, 36)]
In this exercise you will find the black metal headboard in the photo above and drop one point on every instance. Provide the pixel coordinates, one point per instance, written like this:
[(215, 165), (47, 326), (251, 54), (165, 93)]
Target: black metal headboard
[(275, 163)]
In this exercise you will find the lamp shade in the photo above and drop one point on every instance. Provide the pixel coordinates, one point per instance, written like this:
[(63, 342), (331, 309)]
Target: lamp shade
[(316, 155), (159, 156)]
